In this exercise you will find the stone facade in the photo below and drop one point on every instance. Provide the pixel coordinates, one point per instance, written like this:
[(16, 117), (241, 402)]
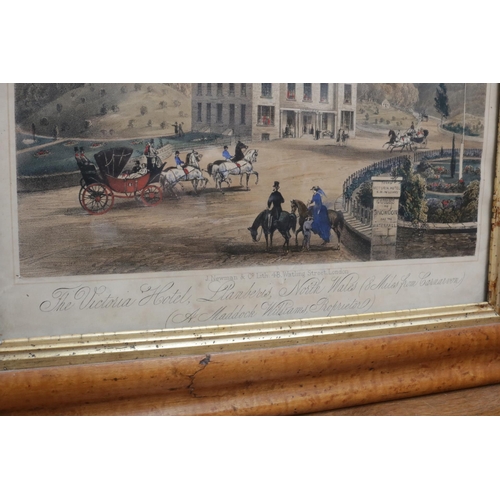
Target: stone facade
[(268, 111)]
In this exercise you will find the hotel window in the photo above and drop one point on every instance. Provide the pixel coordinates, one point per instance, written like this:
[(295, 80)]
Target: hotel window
[(199, 118), (209, 89), (323, 94), (290, 91), (231, 114), (243, 90), (347, 93), (200, 89), (267, 90), (307, 91), (243, 119), (209, 112), (265, 116), (231, 89), (219, 113), (219, 89)]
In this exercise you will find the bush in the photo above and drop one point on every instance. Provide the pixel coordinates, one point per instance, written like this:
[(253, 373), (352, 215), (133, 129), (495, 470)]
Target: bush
[(104, 109), (365, 195), (131, 123), (59, 107), (367, 117), (44, 121), (412, 203), (137, 87), (470, 203), (144, 110), (163, 125), (123, 90), (83, 100), (87, 124), (150, 123)]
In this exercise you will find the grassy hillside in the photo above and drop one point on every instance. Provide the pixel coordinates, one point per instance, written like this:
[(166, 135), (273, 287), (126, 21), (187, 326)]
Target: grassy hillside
[(105, 110)]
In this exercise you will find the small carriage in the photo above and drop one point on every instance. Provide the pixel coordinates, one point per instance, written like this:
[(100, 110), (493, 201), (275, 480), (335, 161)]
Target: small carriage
[(420, 138), (111, 177)]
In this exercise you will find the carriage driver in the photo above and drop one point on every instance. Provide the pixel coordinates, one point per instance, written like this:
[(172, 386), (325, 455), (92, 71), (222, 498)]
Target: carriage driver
[(275, 199)]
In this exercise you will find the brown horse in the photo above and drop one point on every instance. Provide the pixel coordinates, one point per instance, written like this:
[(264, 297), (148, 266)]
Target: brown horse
[(336, 218)]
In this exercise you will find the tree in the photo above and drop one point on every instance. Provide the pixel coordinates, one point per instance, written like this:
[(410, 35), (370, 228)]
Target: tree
[(441, 101), (453, 162), (137, 87), (59, 107)]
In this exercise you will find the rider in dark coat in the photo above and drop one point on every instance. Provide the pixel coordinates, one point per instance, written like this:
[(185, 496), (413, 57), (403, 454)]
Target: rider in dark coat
[(238, 152), (275, 199)]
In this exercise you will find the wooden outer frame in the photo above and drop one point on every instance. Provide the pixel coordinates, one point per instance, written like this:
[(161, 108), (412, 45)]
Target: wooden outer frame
[(272, 368)]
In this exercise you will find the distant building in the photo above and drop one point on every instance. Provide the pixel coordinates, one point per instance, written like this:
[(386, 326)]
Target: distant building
[(386, 104), (267, 111)]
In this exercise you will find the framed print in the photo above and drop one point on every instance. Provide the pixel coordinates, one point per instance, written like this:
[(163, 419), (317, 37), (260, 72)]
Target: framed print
[(152, 220)]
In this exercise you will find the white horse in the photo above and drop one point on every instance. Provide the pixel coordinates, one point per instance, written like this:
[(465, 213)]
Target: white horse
[(191, 172), (222, 169), (404, 142)]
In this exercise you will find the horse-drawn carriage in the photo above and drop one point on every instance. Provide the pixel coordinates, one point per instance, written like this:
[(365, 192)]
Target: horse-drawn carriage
[(111, 177)]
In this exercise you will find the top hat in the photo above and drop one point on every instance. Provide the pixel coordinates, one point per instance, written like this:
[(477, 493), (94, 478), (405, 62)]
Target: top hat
[(276, 184)]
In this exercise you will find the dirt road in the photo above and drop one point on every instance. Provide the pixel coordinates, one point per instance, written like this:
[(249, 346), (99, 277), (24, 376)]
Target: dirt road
[(58, 238)]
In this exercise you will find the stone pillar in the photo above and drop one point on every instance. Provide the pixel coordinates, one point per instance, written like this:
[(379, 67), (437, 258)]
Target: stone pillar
[(386, 194)]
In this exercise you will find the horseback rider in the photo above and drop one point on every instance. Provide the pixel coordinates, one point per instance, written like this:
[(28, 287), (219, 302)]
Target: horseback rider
[(238, 152), (180, 164), (226, 154), (275, 199)]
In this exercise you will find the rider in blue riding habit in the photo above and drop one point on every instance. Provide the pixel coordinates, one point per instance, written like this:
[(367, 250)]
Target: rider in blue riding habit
[(321, 223)]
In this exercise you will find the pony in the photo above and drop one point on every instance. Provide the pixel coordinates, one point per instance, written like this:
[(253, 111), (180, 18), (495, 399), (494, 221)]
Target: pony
[(286, 223), (335, 217), (170, 177), (220, 170)]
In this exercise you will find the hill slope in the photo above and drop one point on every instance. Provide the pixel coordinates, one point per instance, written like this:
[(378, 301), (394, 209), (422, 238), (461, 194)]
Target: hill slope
[(476, 95), (103, 110)]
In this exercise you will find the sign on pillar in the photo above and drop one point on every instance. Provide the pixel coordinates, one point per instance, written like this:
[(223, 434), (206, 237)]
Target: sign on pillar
[(386, 194)]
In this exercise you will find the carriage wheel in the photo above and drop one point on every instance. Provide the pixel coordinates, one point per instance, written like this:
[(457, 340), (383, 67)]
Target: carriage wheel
[(80, 196), (96, 199), (151, 195)]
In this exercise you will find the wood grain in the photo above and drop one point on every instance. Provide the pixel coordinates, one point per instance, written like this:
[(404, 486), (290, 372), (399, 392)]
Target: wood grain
[(281, 381)]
